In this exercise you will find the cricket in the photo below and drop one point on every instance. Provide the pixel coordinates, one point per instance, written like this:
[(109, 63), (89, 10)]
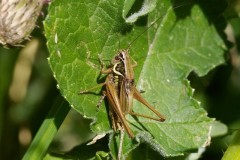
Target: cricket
[(120, 90)]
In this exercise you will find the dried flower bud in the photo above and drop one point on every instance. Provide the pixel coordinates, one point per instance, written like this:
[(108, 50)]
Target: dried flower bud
[(17, 19)]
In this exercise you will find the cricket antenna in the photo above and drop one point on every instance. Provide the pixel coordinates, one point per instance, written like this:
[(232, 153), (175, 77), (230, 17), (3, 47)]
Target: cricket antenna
[(119, 42), (173, 4)]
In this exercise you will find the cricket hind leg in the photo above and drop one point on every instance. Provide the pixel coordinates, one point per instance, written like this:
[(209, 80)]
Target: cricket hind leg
[(144, 116), (137, 96)]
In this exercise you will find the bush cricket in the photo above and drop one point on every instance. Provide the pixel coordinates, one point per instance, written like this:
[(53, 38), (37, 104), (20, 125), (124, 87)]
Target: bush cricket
[(120, 91)]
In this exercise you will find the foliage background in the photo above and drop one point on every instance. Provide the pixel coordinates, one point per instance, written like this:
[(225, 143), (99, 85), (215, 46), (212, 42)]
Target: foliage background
[(218, 91)]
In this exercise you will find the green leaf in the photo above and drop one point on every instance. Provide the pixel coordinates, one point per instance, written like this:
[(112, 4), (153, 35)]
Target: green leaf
[(218, 129), (146, 7), (233, 151), (96, 151), (127, 145), (48, 130), (180, 42)]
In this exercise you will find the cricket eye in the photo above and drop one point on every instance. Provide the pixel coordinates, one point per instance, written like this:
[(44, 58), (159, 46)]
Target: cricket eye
[(117, 58)]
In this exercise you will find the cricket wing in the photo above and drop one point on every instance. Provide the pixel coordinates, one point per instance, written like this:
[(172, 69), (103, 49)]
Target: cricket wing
[(113, 100)]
